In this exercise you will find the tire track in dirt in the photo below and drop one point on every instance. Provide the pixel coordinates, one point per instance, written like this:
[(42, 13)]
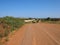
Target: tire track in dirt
[(27, 40), (52, 37), (54, 31), (34, 41), (30, 36), (46, 30), (43, 32), (34, 34), (16, 39)]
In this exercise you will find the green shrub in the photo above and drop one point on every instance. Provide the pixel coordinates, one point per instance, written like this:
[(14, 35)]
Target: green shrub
[(10, 24)]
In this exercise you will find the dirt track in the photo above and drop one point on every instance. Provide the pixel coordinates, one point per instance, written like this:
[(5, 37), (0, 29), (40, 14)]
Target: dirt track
[(36, 34)]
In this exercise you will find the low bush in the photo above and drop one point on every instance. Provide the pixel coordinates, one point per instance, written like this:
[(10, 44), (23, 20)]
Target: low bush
[(9, 24)]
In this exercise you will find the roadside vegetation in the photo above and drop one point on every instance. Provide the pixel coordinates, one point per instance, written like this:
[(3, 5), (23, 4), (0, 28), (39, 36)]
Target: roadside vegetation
[(51, 20), (9, 24)]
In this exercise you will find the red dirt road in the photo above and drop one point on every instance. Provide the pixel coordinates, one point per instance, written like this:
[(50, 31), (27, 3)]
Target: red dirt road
[(36, 34)]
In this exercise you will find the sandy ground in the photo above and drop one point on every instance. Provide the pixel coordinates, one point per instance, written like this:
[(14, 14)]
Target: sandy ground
[(36, 34)]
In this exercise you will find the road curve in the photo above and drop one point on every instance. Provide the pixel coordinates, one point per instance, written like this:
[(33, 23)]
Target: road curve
[(36, 34)]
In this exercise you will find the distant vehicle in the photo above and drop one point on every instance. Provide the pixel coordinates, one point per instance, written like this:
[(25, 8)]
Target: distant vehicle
[(28, 21)]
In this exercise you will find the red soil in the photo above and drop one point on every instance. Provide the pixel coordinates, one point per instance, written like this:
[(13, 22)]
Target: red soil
[(36, 34)]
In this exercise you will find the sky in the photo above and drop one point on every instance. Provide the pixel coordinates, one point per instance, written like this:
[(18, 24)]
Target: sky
[(30, 8)]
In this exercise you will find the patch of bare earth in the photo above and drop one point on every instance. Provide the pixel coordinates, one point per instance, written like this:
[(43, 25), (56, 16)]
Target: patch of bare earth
[(36, 34)]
